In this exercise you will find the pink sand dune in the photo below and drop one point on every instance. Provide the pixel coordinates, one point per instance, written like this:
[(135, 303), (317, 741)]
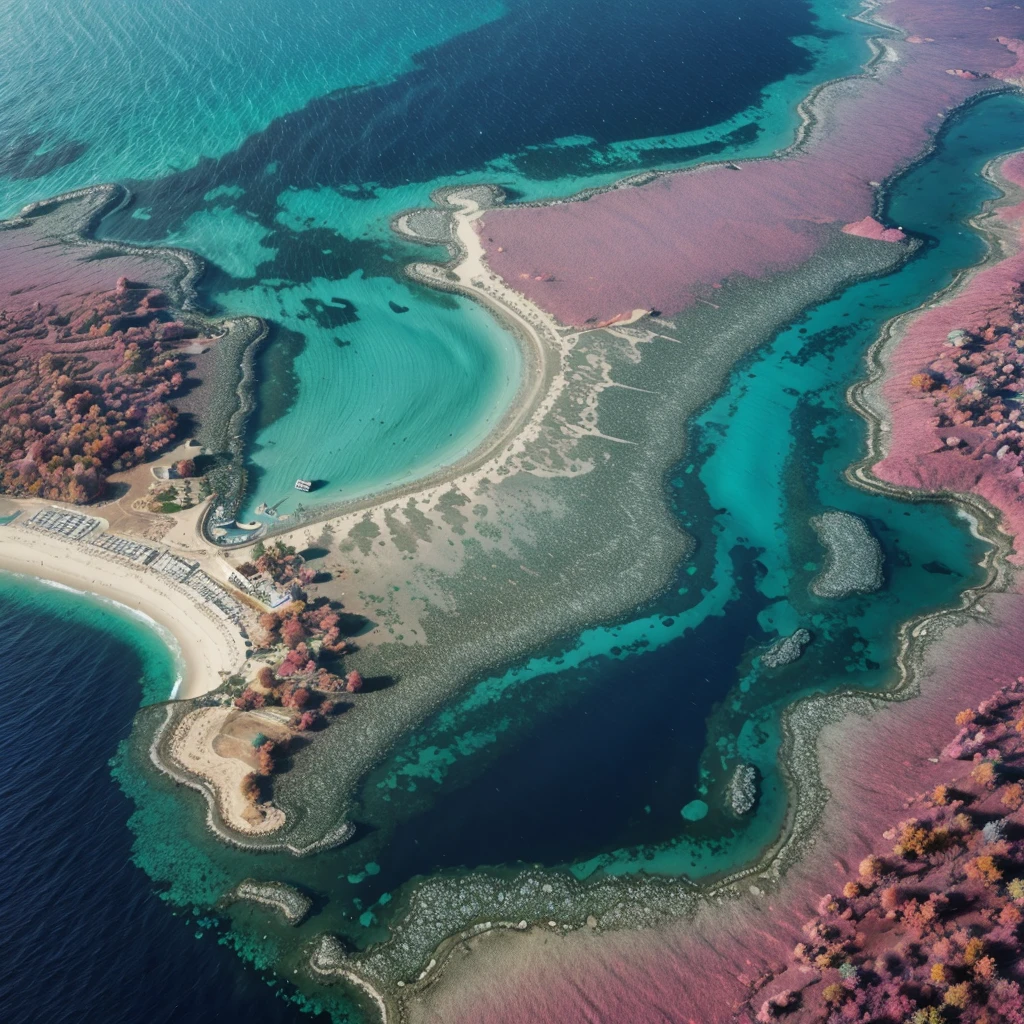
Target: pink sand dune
[(664, 244), (871, 228), (37, 268)]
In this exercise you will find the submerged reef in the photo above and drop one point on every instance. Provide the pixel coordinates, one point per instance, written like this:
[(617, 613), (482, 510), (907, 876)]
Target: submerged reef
[(743, 789), (854, 556), (286, 900), (786, 650), (867, 767), (494, 558)]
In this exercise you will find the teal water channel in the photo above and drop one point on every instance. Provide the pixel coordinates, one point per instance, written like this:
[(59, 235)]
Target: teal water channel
[(597, 791)]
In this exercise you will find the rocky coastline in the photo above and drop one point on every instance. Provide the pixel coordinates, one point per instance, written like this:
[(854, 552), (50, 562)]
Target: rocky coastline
[(786, 650), (161, 758), (293, 906)]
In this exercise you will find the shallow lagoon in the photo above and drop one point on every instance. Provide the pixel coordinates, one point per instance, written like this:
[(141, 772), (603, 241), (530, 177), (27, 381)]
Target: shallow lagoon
[(770, 453), (300, 212)]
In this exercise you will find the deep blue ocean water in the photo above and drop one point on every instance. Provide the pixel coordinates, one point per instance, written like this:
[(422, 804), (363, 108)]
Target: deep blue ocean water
[(83, 934)]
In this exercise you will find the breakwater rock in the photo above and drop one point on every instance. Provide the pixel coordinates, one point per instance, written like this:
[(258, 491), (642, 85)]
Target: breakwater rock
[(854, 558), (328, 957), (291, 904), (742, 791), (786, 649)]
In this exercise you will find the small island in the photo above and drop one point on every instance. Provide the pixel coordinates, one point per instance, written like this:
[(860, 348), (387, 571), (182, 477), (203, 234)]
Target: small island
[(853, 556)]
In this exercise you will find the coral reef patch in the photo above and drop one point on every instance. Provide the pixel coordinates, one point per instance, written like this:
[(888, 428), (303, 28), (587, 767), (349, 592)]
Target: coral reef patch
[(854, 557)]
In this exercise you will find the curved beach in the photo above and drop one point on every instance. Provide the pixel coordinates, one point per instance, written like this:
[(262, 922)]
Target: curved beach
[(210, 648)]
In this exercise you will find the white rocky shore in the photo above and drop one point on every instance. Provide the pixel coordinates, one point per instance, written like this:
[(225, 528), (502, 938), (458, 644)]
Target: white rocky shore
[(786, 649)]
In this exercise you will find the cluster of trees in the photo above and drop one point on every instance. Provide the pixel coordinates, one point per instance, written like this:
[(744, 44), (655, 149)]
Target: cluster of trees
[(929, 932), (977, 383), (252, 790), (298, 622), (85, 391), (280, 562), (295, 639), (267, 751)]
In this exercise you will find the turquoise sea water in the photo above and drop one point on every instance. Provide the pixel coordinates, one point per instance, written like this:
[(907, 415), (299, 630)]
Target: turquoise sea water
[(414, 392), (781, 432), (138, 90), (225, 134), (85, 936), (378, 401)]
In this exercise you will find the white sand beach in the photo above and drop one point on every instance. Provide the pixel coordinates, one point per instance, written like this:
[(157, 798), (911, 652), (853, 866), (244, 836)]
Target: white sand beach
[(210, 647)]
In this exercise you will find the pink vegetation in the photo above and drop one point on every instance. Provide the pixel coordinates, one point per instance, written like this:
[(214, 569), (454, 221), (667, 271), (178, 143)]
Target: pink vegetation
[(85, 384), (664, 245), (929, 925), (955, 388), (871, 228)]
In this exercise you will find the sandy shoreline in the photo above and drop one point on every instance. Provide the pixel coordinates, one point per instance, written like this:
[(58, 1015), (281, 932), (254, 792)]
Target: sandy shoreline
[(542, 342), (208, 649)]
